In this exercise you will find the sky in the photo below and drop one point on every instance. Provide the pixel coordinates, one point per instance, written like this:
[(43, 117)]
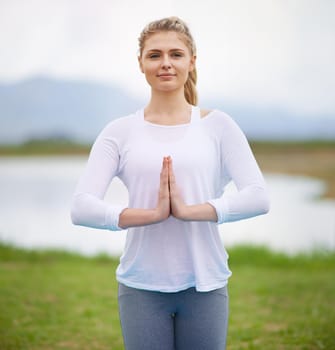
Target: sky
[(274, 53)]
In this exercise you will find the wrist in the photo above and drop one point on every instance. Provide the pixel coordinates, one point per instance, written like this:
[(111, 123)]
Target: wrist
[(132, 217), (182, 213), (157, 215), (197, 212)]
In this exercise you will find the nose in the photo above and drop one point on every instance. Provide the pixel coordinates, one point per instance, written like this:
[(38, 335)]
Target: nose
[(166, 64)]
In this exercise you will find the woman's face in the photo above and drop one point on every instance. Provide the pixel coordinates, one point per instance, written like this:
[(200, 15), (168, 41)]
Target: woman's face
[(166, 61)]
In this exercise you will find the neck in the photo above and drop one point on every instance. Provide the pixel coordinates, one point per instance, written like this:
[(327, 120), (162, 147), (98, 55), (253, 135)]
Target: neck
[(168, 108)]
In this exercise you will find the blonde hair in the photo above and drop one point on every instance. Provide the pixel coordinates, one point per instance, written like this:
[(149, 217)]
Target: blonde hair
[(175, 24)]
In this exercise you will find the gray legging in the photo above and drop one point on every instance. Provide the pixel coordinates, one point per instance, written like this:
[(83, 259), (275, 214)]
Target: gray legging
[(186, 320)]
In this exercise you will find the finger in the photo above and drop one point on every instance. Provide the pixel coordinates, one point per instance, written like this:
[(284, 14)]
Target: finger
[(164, 173), (171, 172), (169, 160), (164, 165)]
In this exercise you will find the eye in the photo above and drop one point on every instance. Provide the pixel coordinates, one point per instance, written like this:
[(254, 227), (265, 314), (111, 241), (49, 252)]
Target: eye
[(153, 55), (177, 54)]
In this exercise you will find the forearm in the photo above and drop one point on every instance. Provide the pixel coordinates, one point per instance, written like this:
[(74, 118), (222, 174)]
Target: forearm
[(249, 202), (91, 211), (131, 217), (198, 212)]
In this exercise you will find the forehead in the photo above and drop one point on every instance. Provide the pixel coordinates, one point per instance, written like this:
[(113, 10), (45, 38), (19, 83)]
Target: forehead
[(165, 41)]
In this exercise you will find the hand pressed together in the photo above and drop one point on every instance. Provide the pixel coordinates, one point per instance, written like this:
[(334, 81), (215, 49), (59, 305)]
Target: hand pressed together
[(170, 201), (163, 205)]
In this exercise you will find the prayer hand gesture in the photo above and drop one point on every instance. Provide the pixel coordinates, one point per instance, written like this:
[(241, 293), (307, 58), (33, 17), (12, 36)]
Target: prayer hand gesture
[(163, 206), (170, 201)]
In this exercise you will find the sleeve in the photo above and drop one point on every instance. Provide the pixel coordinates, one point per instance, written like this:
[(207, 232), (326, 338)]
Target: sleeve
[(239, 164), (88, 205)]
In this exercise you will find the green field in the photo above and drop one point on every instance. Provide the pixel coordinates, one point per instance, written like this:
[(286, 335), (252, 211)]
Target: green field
[(57, 300)]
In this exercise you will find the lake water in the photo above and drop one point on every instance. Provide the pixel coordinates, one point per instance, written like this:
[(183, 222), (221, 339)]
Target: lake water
[(35, 197)]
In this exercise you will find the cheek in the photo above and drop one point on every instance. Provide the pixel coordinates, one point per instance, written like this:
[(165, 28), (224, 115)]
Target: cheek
[(150, 69), (183, 70), (149, 73)]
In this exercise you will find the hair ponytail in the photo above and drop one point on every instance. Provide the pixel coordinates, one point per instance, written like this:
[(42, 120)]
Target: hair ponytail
[(175, 24), (190, 90)]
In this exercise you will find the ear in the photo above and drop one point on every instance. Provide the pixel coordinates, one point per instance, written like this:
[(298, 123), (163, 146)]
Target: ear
[(140, 63), (192, 63)]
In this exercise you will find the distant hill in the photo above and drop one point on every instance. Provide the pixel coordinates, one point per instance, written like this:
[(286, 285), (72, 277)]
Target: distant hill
[(269, 123), (43, 107)]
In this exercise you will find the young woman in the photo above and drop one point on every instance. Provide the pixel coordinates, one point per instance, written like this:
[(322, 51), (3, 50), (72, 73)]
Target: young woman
[(175, 160)]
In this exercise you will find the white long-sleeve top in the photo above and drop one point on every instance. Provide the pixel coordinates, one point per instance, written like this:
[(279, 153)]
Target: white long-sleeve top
[(207, 154)]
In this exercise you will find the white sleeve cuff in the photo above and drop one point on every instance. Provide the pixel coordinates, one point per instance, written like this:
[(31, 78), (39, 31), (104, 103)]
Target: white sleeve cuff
[(113, 216), (221, 207)]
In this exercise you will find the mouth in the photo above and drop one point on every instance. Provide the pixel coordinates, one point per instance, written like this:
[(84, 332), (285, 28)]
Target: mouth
[(165, 75)]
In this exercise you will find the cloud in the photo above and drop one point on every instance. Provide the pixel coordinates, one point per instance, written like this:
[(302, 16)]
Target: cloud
[(277, 53)]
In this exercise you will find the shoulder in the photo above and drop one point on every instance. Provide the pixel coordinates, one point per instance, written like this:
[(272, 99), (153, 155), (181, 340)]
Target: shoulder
[(205, 112), (217, 118), (222, 126), (120, 126), (213, 113)]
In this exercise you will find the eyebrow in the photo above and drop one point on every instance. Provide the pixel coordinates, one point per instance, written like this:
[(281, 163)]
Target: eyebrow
[(157, 50)]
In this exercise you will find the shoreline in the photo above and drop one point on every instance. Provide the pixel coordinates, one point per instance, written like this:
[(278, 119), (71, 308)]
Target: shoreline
[(314, 159)]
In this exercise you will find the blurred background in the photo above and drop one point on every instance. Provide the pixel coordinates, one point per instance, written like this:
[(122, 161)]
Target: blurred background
[(69, 67)]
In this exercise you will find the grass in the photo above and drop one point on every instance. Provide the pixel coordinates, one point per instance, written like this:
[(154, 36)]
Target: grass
[(57, 300)]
